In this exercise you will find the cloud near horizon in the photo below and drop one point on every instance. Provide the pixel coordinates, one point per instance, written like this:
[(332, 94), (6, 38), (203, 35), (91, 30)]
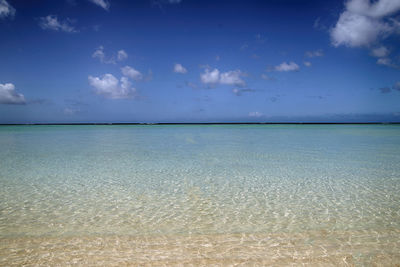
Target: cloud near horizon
[(255, 114), (8, 95)]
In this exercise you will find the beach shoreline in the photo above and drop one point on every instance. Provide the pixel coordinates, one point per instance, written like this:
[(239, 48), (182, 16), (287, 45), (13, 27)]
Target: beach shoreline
[(327, 248)]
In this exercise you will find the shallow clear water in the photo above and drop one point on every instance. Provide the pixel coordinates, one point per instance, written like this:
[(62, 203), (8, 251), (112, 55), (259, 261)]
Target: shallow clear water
[(299, 188)]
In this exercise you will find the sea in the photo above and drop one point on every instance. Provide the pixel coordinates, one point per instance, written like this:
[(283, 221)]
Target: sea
[(193, 195)]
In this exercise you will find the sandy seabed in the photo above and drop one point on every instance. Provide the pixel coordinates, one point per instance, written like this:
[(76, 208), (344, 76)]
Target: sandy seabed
[(317, 248)]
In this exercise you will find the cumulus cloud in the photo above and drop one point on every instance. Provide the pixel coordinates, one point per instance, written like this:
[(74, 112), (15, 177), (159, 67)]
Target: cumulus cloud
[(364, 23), (210, 76), (132, 73), (6, 10), (357, 30), (377, 9), (122, 55), (178, 68), (291, 66), (367, 24), (102, 3), (51, 22), (232, 77), (307, 63), (8, 95), (380, 51), (255, 114), (317, 53), (99, 54), (111, 87)]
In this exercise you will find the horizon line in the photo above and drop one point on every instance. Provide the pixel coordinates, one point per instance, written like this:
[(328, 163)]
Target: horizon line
[(190, 123)]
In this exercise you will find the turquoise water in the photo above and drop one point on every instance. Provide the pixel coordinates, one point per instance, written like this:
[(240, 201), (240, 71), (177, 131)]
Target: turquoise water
[(169, 181)]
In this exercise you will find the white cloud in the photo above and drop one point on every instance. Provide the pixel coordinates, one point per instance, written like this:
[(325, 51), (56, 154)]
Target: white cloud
[(291, 66), (8, 95), (256, 114), (307, 63), (178, 68), (6, 10), (357, 30), (210, 76), (380, 52), (384, 61), (132, 73), (317, 53), (364, 23), (377, 9), (110, 87), (122, 55), (232, 78), (102, 3), (125, 84), (51, 22), (387, 62), (215, 76), (99, 53)]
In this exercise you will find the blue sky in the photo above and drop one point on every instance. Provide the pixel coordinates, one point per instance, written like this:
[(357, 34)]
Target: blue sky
[(199, 61)]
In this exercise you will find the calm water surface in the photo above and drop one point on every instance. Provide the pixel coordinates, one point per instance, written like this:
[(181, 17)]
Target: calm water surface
[(202, 195)]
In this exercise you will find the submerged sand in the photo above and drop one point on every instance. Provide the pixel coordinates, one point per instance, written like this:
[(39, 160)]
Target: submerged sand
[(317, 248)]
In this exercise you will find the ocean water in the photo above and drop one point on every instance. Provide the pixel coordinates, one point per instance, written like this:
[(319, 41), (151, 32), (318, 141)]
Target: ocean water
[(200, 195)]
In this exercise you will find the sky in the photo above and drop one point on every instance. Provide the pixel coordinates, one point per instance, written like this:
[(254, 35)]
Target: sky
[(83, 61)]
